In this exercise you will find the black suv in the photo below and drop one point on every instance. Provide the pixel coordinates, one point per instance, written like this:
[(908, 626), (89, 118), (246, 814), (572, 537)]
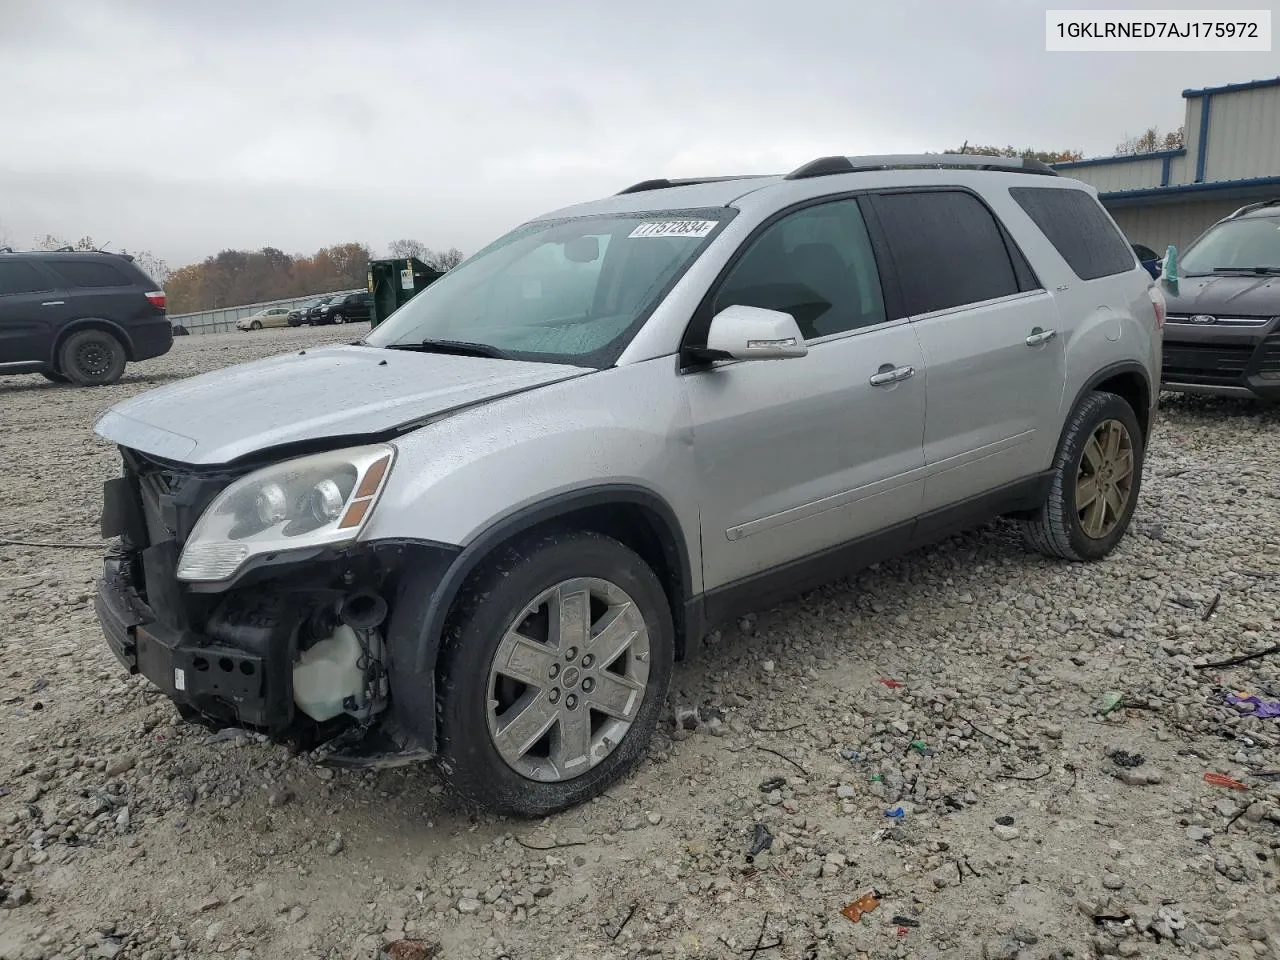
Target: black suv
[(350, 308), (1222, 332), (78, 316)]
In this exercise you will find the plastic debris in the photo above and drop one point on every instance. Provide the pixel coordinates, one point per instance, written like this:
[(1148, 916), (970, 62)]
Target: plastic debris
[(1123, 758), (877, 778), (1219, 780), (850, 754), (922, 748), (902, 921), (891, 684), (1254, 706), (1109, 701), (864, 904), (761, 842), (773, 783), (897, 813)]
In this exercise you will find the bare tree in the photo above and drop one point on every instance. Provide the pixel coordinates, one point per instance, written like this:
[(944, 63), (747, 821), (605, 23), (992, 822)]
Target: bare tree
[(409, 248), (446, 260)]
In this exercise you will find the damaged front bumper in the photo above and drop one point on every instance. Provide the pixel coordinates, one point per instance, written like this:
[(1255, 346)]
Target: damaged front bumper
[(321, 649), (246, 684)]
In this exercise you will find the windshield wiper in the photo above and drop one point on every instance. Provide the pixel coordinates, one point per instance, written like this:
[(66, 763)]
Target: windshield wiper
[(461, 348), (1260, 270)]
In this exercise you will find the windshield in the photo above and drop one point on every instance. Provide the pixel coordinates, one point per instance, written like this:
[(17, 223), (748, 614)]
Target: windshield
[(563, 291), (1236, 245)]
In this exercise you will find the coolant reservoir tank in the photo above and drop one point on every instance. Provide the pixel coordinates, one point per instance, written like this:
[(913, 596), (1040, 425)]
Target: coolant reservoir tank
[(327, 674)]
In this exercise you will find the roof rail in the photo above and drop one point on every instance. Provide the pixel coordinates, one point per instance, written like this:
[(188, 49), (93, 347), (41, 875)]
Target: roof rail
[(826, 166), (662, 183), (1248, 207)]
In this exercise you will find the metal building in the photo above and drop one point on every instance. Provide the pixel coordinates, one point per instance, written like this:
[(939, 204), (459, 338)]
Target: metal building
[(1232, 157)]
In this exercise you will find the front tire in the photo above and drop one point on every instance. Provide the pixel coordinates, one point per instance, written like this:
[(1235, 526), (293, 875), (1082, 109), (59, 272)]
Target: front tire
[(255, 325), (339, 318), (1097, 476), (556, 664), (92, 358)]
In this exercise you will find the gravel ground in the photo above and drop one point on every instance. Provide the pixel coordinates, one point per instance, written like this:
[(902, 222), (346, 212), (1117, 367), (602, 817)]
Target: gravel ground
[(963, 689)]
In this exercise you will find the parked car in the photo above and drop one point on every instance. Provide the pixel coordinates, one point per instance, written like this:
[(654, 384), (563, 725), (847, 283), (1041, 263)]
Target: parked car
[(351, 308), (486, 530), (78, 317), (1149, 259), (266, 317), (1223, 336), (298, 315), (312, 316)]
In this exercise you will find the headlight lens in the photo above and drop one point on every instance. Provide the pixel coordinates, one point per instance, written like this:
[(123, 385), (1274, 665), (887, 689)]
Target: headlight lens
[(320, 500)]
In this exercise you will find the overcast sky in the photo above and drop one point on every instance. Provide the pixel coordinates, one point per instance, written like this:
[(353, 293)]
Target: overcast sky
[(186, 126)]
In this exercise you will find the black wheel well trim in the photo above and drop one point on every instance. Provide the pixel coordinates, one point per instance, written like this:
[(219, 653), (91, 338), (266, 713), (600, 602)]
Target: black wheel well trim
[(538, 514), (91, 323), (1111, 371)]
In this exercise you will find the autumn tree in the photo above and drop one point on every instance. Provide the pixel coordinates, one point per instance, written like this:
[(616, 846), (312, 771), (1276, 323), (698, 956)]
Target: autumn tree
[(1152, 141), (1044, 156)]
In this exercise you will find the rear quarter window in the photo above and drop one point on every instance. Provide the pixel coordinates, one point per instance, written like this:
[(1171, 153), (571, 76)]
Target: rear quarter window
[(1079, 229), (90, 274)]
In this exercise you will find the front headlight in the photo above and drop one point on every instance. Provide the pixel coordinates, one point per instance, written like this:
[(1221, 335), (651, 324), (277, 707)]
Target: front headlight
[(320, 500)]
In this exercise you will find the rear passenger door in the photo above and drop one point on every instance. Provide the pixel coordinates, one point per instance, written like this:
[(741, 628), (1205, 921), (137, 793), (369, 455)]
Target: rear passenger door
[(29, 309), (991, 341)]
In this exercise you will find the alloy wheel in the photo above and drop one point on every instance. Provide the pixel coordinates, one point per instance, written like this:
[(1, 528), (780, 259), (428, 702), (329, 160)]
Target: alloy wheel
[(568, 679), (1104, 481)]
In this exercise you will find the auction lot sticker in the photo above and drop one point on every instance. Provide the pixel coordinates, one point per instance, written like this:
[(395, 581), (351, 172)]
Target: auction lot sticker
[(673, 228)]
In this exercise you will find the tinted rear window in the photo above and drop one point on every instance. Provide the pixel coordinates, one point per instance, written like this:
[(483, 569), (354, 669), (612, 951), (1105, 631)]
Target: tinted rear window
[(85, 273), (19, 277), (1078, 228), (948, 250)]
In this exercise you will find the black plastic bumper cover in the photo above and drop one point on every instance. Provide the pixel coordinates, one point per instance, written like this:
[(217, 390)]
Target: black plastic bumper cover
[(222, 682)]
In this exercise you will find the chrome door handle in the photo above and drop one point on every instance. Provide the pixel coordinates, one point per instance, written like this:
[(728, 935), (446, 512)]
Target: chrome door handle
[(1039, 336), (896, 375), (53, 303)]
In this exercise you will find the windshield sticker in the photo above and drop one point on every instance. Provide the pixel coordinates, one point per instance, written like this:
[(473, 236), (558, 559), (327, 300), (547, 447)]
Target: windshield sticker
[(673, 228)]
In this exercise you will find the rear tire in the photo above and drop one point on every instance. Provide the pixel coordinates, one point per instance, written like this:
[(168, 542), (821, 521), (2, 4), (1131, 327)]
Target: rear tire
[(92, 358), (1097, 476), (530, 747)]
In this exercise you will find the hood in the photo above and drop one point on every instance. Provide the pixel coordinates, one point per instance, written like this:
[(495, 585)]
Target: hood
[(318, 394), (1226, 295)]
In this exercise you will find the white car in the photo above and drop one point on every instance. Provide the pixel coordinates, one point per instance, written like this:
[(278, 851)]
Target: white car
[(268, 317)]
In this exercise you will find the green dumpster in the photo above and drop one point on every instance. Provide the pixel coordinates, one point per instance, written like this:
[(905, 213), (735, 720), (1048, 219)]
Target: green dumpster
[(393, 283)]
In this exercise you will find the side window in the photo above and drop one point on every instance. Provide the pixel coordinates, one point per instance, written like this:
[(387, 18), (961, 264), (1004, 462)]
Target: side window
[(1078, 228), (948, 249), (84, 273), (815, 264), (18, 277)]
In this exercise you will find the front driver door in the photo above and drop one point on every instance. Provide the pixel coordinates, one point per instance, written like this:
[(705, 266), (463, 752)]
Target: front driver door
[(796, 457)]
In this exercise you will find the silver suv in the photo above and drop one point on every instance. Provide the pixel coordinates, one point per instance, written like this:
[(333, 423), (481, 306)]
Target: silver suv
[(485, 532)]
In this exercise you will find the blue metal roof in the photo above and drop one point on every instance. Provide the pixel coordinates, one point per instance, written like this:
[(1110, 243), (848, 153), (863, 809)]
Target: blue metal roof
[(1233, 87), (1118, 158), (1261, 186)]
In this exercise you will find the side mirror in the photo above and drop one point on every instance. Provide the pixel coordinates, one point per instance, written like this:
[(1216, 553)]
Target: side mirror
[(751, 333)]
